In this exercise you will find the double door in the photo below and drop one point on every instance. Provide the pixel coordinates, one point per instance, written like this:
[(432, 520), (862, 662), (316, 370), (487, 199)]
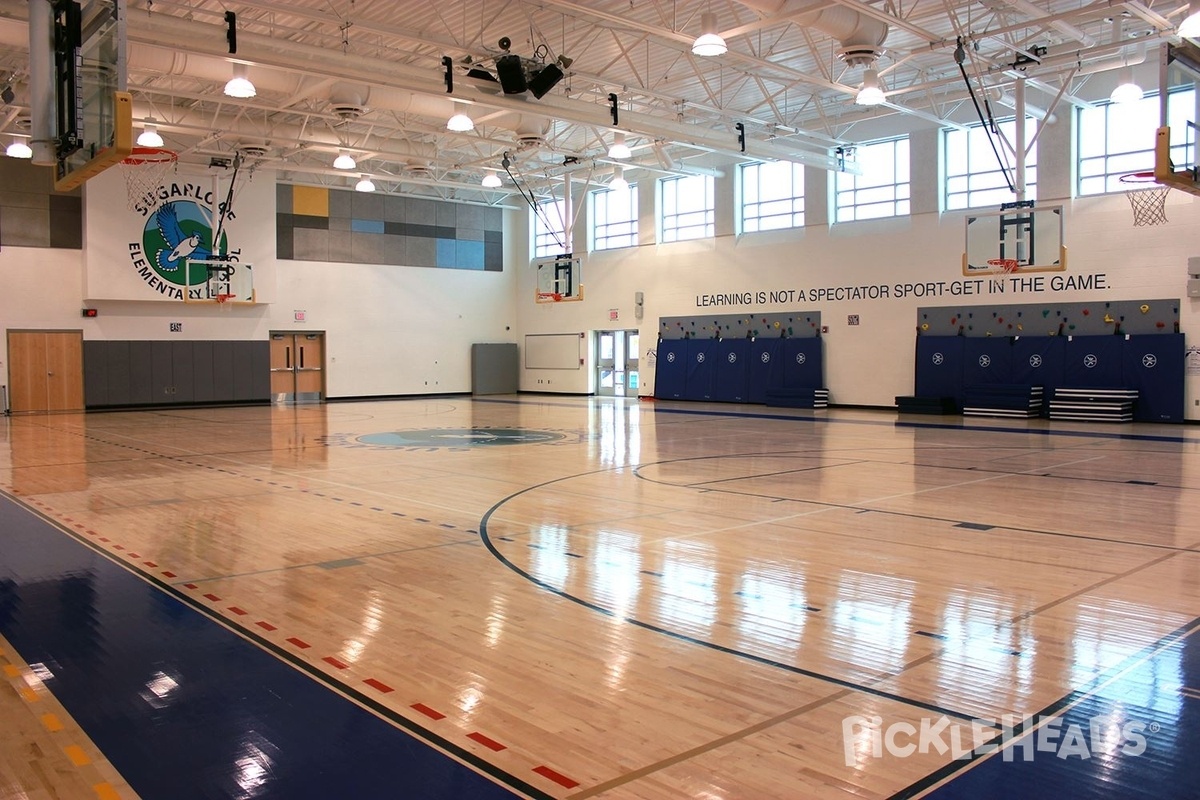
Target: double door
[(45, 370), (617, 363), (297, 367)]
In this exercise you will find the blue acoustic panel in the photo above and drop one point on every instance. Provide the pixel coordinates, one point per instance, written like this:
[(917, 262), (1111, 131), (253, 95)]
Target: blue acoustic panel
[(766, 360), (670, 370), (1094, 362), (731, 373), (470, 254), (802, 366), (1153, 364), (939, 367), (987, 360), (1038, 361), (700, 356), (366, 225)]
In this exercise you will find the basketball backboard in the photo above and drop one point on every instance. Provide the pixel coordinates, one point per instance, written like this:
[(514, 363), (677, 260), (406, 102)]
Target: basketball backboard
[(1024, 239), (559, 280), (1175, 157), (94, 113), (211, 281)]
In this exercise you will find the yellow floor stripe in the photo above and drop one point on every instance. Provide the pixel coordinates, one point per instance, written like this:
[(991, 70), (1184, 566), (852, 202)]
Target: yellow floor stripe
[(29, 695), (106, 792), (52, 722), (77, 756), (12, 670)]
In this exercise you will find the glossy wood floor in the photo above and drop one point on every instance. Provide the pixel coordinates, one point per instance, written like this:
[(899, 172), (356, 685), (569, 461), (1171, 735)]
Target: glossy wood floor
[(652, 600)]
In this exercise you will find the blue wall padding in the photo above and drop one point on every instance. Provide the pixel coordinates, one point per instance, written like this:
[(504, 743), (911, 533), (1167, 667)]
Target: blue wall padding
[(987, 361), (939, 367), (670, 370), (1038, 361), (1153, 365), (731, 360), (700, 356), (765, 368), (1094, 362)]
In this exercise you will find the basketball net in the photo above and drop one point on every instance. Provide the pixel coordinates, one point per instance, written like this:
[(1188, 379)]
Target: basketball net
[(1147, 197), (1149, 205), (145, 170)]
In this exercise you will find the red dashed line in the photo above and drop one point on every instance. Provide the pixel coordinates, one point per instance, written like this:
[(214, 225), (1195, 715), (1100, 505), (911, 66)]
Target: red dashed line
[(118, 547), (427, 711), (212, 597), (91, 532), (237, 611), (266, 626), (490, 744), (134, 555), (303, 645), (104, 539), (150, 564), (189, 586), (333, 661), (167, 574), (374, 684), (557, 777)]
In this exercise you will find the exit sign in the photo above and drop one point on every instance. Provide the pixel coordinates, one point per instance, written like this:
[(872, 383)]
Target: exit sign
[(176, 327)]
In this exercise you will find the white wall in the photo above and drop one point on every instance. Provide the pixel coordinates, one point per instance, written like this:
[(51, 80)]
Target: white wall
[(872, 363), (389, 329)]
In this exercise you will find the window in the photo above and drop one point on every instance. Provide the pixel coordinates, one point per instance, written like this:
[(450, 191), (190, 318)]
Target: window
[(549, 237), (615, 218), (772, 196), (882, 188), (973, 174), (687, 208), (1116, 139)]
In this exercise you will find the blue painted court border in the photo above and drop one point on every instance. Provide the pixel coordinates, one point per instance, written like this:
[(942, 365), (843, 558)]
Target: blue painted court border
[(1167, 770), (243, 716)]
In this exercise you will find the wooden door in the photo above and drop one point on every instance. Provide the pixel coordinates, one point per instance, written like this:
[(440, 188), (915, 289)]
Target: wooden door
[(45, 370), (310, 366), (283, 375)]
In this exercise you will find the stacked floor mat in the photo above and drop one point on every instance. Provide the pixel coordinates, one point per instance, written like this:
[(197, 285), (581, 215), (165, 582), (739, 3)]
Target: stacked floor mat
[(1093, 405), (1002, 400), (798, 398)]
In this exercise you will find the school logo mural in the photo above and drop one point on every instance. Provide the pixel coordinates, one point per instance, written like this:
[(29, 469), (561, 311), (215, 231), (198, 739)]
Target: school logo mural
[(177, 227)]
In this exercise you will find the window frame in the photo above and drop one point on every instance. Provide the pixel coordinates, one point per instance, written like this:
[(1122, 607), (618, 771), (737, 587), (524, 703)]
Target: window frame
[(750, 195), (900, 185), (972, 178), (600, 240), (1181, 103), (544, 237), (669, 233)]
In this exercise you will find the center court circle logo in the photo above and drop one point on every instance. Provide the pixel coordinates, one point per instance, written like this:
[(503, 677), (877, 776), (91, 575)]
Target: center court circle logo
[(459, 437)]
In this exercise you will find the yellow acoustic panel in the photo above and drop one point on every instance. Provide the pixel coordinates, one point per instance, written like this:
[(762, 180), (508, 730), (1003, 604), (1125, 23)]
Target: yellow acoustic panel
[(312, 201)]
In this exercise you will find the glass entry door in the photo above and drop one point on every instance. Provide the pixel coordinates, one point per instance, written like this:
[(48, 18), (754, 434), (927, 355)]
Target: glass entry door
[(616, 363)]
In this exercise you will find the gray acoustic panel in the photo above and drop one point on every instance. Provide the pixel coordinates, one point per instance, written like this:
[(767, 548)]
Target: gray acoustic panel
[(141, 374), (95, 374), (120, 378), (310, 244), (162, 369), (183, 378), (204, 390), (222, 371), (243, 371), (494, 368), (260, 359)]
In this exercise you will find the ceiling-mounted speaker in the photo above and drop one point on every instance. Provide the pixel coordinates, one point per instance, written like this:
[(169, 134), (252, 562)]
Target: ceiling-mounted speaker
[(511, 72), (545, 80)]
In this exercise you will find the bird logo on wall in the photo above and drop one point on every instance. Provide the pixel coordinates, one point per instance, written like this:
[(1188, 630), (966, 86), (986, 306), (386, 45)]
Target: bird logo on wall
[(183, 245)]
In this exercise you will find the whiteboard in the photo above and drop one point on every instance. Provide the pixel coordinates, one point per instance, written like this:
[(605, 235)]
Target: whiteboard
[(552, 351)]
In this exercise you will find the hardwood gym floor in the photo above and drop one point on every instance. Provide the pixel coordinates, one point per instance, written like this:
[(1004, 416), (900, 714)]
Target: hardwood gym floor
[(590, 598)]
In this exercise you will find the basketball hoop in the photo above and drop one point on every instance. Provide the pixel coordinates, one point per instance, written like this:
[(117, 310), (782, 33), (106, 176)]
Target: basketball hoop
[(1147, 197), (145, 170), (1003, 264), (222, 299), (549, 297)]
